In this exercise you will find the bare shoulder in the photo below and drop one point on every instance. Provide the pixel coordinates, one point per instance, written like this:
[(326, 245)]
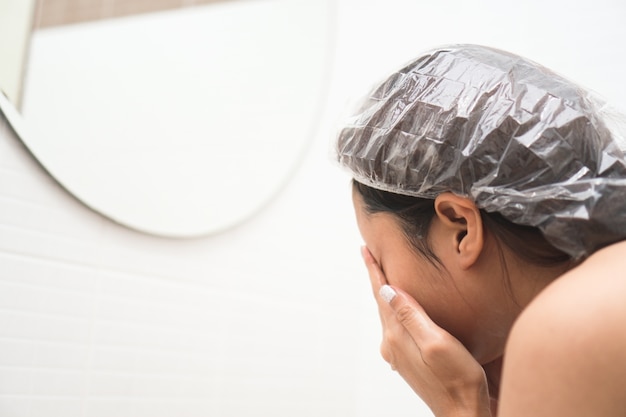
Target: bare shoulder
[(566, 354)]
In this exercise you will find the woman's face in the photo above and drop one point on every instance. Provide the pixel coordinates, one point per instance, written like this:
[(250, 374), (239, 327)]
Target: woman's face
[(476, 310)]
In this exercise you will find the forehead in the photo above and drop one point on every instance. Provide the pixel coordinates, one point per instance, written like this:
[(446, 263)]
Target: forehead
[(380, 231)]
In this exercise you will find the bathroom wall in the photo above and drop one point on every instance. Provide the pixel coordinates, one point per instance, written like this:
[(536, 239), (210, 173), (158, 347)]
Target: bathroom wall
[(273, 317)]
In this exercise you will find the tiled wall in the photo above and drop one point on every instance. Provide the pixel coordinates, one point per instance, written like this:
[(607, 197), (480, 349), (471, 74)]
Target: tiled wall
[(98, 320), (272, 318), (61, 12)]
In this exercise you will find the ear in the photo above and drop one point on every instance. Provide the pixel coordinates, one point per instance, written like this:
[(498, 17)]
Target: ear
[(464, 227)]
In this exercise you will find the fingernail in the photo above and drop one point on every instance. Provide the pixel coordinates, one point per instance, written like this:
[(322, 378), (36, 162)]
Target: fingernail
[(387, 293)]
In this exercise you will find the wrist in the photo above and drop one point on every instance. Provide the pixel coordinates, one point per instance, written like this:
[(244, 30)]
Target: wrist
[(480, 405)]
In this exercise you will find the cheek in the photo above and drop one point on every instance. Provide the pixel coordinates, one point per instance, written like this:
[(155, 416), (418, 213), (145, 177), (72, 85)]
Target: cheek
[(436, 293), (422, 282), (442, 300)]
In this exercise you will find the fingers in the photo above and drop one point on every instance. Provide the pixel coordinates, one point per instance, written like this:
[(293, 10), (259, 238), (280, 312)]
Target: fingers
[(408, 312), (405, 323), (438, 349), (434, 363), (418, 332), (377, 277)]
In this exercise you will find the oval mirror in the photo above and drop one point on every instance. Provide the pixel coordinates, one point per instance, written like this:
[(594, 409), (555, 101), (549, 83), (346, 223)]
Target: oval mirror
[(181, 122)]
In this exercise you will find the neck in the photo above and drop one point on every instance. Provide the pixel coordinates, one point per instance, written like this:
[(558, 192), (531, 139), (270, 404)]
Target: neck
[(527, 280)]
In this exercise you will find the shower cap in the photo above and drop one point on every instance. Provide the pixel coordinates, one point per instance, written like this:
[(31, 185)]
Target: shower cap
[(502, 130)]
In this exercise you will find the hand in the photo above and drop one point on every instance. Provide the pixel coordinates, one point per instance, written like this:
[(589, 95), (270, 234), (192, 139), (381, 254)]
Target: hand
[(435, 364)]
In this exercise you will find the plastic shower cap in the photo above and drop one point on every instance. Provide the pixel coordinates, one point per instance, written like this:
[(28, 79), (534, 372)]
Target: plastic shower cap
[(502, 130)]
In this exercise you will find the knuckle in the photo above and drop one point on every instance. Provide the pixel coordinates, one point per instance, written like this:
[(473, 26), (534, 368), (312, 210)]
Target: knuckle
[(405, 314), (391, 340), (385, 352), (388, 356), (390, 345), (434, 349)]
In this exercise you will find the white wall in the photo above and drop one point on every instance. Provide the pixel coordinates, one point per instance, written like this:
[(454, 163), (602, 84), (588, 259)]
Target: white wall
[(273, 318)]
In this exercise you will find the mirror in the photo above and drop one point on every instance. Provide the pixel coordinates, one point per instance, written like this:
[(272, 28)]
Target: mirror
[(179, 122)]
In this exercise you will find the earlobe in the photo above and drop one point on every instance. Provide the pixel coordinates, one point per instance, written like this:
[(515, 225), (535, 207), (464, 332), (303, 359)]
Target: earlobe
[(461, 218)]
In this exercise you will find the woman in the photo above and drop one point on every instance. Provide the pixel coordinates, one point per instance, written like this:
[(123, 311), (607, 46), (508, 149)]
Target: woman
[(491, 197)]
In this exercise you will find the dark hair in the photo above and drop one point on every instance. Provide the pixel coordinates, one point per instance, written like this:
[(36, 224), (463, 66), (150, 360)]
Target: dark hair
[(415, 215)]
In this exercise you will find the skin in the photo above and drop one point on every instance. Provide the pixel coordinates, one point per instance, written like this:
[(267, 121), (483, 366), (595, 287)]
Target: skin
[(450, 328)]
